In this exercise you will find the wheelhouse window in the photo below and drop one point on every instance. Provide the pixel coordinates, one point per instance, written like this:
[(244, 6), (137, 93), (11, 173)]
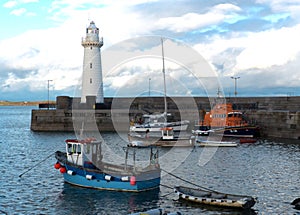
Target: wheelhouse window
[(78, 149), (69, 148), (74, 148), (87, 149)]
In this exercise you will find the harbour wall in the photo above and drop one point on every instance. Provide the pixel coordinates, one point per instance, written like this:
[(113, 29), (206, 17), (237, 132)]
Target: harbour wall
[(277, 116)]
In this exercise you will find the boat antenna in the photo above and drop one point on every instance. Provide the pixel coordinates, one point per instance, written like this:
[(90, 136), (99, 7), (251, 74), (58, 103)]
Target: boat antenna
[(219, 93), (81, 131), (164, 75)]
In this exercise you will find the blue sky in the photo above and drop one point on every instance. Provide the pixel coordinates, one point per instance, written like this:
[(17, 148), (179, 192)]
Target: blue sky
[(256, 40)]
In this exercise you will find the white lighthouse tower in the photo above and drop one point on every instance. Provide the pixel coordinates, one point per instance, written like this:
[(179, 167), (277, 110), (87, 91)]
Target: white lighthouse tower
[(92, 84)]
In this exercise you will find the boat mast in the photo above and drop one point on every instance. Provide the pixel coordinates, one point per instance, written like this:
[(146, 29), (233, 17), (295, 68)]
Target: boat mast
[(164, 75)]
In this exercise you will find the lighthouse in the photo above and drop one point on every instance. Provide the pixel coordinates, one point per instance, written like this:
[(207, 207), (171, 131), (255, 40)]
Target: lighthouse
[(92, 84)]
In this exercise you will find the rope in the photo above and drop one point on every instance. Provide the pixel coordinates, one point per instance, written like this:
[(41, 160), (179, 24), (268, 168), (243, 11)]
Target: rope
[(204, 188), (163, 196), (166, 186), (37, 164)]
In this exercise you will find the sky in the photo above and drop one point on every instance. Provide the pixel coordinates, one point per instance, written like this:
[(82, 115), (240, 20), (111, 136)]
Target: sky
[(255, 40)]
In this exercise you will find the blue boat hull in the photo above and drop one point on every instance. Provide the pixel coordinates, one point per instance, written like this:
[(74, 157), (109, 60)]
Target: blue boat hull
[(234, 131), (242, 132), (142, 182)]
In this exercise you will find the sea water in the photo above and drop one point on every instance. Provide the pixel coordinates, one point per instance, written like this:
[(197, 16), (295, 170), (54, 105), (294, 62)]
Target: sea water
[(268, 170)]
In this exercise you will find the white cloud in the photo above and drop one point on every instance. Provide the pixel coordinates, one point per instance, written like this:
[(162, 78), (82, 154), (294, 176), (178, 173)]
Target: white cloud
[(192, 21), (292, 6), (10, 4), (56, 53), (259, 50), (270, 48), (29, 1), (18, 12)]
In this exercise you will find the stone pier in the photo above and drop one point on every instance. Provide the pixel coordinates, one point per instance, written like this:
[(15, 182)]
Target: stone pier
[(277, 116)]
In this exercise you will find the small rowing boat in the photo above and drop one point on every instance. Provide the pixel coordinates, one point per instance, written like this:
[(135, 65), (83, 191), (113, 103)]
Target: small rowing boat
[(214, 198)]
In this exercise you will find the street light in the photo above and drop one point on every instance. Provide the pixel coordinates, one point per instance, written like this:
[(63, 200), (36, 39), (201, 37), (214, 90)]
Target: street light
[(149, 86), (235, 84), (48, 93)]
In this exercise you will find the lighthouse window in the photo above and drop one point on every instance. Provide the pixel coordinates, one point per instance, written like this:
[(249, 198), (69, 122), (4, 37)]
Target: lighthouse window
[(91, 81), (91, 65), (91, 47)]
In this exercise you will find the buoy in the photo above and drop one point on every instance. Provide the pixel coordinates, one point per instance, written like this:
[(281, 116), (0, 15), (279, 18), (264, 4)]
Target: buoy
[(132, 180), (63, 170), (107, 177), (57, 165), (125, 178), (70, 172), (89, 177)]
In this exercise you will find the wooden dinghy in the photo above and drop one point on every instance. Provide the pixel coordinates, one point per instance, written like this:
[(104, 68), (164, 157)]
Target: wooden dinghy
[(214, 198)]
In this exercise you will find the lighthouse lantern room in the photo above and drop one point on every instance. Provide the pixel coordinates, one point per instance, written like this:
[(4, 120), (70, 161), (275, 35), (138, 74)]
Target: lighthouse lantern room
[(92, 84)]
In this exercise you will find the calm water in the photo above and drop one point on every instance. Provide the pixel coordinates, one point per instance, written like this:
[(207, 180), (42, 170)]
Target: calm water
[(269, 170)]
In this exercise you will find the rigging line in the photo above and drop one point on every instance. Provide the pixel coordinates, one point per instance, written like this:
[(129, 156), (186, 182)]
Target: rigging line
[(164, 76), (163, 196), (186, 181), (37, 164), (166, 186)]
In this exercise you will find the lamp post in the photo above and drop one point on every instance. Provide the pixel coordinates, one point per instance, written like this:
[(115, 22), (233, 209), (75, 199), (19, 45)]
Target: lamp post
[(149, 86), (48, 93), (235, 84)]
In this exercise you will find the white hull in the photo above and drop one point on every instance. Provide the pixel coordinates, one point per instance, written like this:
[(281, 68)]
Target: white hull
[(220, 144), (157, 127)]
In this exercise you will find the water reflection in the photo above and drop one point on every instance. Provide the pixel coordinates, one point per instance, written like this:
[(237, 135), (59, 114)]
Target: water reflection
[(76, 200)]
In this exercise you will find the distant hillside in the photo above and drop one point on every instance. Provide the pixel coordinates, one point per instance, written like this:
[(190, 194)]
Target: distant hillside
[(24, 103)]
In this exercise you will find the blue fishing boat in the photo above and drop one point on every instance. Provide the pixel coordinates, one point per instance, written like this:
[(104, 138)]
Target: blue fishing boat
[(82, 165)]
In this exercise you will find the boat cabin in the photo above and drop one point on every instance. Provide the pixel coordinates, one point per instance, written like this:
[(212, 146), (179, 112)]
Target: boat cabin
[(167, 133), (224, 115), (84, 152)]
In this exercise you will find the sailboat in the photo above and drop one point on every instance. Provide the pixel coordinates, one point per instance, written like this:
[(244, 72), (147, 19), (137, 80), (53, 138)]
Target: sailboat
[(155, 122)]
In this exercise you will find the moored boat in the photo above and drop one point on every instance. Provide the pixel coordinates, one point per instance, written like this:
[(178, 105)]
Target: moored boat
[(82, 165), (154, 122), (214, 198), (248, 140), (224, 120), (166, 139), (217, 143)]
